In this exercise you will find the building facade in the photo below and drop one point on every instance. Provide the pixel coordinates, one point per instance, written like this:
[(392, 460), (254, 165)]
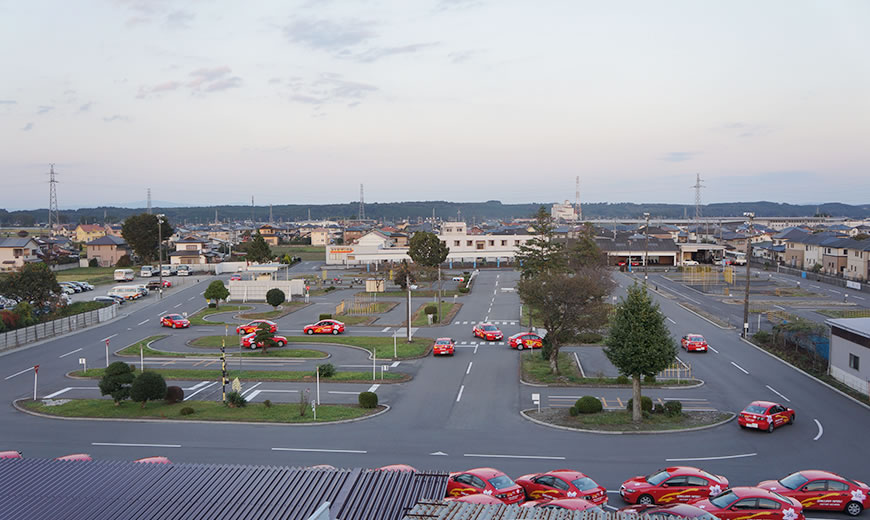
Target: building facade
[(850, 352), (15, 252), (107, 250)]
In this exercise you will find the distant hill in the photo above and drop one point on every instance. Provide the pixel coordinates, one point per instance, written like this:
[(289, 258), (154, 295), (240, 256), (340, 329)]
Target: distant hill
[(469, 211)]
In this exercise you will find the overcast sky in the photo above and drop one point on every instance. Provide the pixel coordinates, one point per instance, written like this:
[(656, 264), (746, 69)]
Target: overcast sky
[(210, 102)]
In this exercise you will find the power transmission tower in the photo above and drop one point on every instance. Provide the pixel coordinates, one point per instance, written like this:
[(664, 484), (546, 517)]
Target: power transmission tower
[(149, 201), (362, 204), (270, 213), (252, 210), (52, 199), (697, 187), (578, 211)]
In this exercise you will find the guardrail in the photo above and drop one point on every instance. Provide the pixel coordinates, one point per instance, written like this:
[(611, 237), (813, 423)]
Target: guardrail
[(18, 337)]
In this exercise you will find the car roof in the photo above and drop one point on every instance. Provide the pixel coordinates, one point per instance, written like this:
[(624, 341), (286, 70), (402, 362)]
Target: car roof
[(568, 474), (694, 334), (749, 491), (684, 470), (262, 321), (813, 474), (444, 339), (484, 473), (766, 404), (173, 316)]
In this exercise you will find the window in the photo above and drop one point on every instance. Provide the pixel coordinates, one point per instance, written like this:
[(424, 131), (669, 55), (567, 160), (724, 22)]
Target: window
[(480, 244), (545, 480), (516, 242), (746, 503), (854, 362), (676, 482), (836, 485), (463, 479), (766, 503), (504, 242), (492, 242), (477, 482), (696, 481), (456, 243), (468, 243), (560, 484), (818, 485)]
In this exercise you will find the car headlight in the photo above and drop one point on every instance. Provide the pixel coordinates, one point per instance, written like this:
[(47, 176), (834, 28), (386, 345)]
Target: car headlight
[(629, 490)]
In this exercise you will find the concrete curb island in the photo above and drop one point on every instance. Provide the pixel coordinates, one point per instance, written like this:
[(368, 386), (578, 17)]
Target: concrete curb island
[(524, 414)]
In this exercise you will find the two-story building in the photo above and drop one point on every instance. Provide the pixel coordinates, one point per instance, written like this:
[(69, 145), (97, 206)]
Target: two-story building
[(192, 250), (320, 237), (107, 250), (835, 255), (15, 252), (858, 261), (87, 232), (271, 234)]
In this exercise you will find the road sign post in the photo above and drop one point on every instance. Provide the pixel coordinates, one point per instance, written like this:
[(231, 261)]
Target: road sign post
[(224, 371), (84, 363), (35, 379), (107, 352), (536, 399)]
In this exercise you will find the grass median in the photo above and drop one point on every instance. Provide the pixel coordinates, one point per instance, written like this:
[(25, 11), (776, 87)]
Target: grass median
[(286, 308), (448, 311), (232, 346), (620, 420), (536, 369), (199, 317), (203, 411), (191, 374), (383, 346)]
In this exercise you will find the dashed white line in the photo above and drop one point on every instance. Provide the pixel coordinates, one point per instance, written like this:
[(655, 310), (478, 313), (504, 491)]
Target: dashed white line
[(713, 349), (209, 385), (458, 397), (319, 450), (248, 390), (143, 322), (191, 298), (777, 393), (19, 373), (386, 329), (858, 297), (177, 306), (740, 368), (815, 286), (821, 430), (722, 457), (68, 353), (374, 387), (342, 392), (672, 321), (108, 338), (468, 370), (134, 445), (497, 456)]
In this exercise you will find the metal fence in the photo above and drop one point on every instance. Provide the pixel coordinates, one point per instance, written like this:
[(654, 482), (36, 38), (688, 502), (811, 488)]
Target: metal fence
[(23, 336), (819, 277), (679, 370)]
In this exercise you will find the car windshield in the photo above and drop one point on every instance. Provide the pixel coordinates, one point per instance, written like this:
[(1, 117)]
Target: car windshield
[(584, 484), (708, 476), (794, 481), (490, 328), (443, 342), (723, 500), (696, 338), (755, 409), (501, 482), (174, 317), (657, 478)]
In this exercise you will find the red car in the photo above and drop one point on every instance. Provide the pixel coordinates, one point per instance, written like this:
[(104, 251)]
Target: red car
[(82, 457), (571, 504), (488, 332), (176, 321), (765, 415), (822, 490), (686, 511), (324, 327), (248, 341), (254, 325), (443, 346), (10, 455), (397, 467), (236, 278), (525, 340), (672, 485), (562, 483), (487, 481), (154, 460), (743, 503), (694, 343)]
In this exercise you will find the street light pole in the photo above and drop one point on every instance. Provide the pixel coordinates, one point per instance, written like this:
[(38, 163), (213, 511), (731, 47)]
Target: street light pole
[(160, 252), (746, 294), (646, 250)]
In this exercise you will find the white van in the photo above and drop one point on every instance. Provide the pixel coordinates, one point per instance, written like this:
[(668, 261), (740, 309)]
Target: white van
[(167, 270), (146, 271), (124, 275), (183, 270), (128, 292)]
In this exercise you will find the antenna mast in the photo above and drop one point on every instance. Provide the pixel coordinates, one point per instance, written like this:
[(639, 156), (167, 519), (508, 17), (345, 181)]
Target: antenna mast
[(362, 205), (698, 185), (52, 199)]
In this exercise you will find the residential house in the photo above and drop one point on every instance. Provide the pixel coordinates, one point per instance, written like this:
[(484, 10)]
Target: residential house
[(850, 352), (835, 255), (113, 229), (353, 233), (270, 234), (320, 237), (107, 249), (15, 252), (858, 261), (87, 232), (192, 250)]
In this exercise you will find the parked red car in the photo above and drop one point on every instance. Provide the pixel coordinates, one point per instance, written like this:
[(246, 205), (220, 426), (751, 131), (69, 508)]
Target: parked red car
[(571, 504), (248, 341), (694, 343), (443, 346), (324, 327), (765, 415), (81, 457), (176, 321), (397, 467), (487, 331), (487, 481), (822, 490), (10, 455), (752, 502), (562, 483), (525, 340), (235, 278), (254, 325), (673, 484)]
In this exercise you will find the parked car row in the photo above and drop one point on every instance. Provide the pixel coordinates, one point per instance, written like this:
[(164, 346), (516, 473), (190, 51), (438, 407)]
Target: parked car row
[(84, 457), (75, 287), (136, 291), (249, 331)]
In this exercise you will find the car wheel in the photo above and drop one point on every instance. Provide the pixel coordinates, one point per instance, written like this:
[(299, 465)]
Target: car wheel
[(770, 428), (253, 346), (791, 419), (174, 326), (280, 343), (854, 508), (310, 332), (646, 500), (519, 346), (335, 332)]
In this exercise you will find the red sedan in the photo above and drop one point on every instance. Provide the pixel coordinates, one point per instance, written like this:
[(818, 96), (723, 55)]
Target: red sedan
[(686, 511), (488, 332), (248, 341), (694, 343), (742, 503), (324, 327), (175, 321), (562, 483), (672, 485), (571, 504), (236, 278), (487, 481), (443, 346), (765, 415), (822, 490), (478, 498), (525, 340), (254, 325)]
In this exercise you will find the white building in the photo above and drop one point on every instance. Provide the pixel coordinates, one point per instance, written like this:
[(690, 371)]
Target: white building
[(564, 212)]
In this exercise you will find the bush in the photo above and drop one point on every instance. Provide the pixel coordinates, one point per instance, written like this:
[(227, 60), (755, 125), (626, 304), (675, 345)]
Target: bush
[(275, 297), (673, 408), (116, 381), (573, 411), (236, 400), (93, 262), (212, 305), (148, 386), (649, 380), (329, 289), (762, 337), (124, 261), (368, 400), (463, 290), (657, 408), (267, 403), (431, 309), (325, 317), (622, 380), (588, 404), (186, 411), (326, 370), (646, 404), (589, 338), (174, 394)]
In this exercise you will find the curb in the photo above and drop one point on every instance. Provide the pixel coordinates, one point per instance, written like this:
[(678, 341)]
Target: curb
[(356, 382), (814, 378), (183, 421), (705, 318), (524, 415), (193, 354)]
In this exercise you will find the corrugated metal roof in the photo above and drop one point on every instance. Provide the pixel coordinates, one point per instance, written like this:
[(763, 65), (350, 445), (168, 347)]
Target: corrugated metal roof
[(441, 510), (40, 489)]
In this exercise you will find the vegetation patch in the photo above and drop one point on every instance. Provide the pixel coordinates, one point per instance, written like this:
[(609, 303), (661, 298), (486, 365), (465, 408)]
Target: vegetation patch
[(286, 308), (448, 311), (77, 308), (383, 346), (255, 375), (92, 275), (144, 346), (535, 369), (359, 320), (620, 420), (200, 411), (198, 318)]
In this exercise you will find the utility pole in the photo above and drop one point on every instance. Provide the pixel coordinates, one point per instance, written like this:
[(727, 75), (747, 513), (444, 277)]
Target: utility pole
[(646, 250), (748, 263), (408, 284), (149, 201), (697, 187), (160, 252), (52, 199)]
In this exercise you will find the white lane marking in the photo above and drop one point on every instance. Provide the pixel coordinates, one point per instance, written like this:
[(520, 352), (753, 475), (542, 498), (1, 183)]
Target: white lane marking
[(815, 286), (191, 298), (683, 363), (579, 366), (176, 306), (194, 387), (319, 450), (386, 329), (108, 338), (134, 445), (780, 308), (395, 364), (200, 390), (833, 291), (777, 393), (244, 392), (143, 322), (672, 321), (475, 348), (163, 314), (496, 456), (740, 368), (722, 457), (18, 373), (821, 430), (67, 389), (374, 388), (68, 353), (342, 392), (681, 399), (252, 395), (458, 397), (468, 370), (858, 297), (713, 349)]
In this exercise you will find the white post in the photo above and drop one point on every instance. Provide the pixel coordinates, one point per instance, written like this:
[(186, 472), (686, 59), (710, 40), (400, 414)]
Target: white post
[(35, 378), (395, 346), (141, 358), (374, 358), (317, 374), (314, 409), (382, 372), (759, 323), (107, 353)]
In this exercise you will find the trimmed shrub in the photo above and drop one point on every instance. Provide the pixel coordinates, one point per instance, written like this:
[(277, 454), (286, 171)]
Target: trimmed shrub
[(463, 290), (673, 408), (275, 297), (368, 400), (326, 370), (174, 394), (588, 404), (329, 289), (148, 386), (573, 411), (589, 338), (649, 380), (646, 404), (657, 408), (186, 411), (325, 317), (267, 403), (431, 309), (93, 262), (622, 380), (762, 337), (116, 381), (236, 400)]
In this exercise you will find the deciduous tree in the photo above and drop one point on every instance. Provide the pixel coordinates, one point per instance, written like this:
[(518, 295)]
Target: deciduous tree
[(259, 251), (141, 234), (34, 282), (216, 291), (264, 335), (428, 250)]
